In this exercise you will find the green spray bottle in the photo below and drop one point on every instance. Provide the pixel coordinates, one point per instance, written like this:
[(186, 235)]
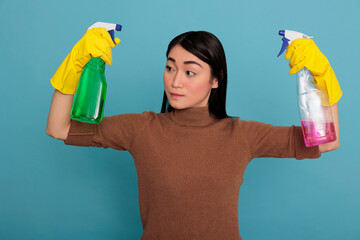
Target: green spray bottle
[(89, 98)]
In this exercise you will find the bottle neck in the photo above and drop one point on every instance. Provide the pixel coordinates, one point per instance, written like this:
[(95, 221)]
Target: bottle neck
[(96, 63)]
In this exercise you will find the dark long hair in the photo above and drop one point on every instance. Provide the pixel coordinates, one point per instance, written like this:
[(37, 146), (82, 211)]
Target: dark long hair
[(209, 49)]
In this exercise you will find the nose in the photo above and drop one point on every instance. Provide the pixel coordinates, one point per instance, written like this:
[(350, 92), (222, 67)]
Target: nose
[(177, 81)]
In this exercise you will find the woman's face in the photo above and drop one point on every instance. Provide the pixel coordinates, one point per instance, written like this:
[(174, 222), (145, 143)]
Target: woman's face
[(188, 76)]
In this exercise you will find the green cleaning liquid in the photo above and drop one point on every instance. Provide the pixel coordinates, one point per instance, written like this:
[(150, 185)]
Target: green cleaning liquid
[(89, 98)]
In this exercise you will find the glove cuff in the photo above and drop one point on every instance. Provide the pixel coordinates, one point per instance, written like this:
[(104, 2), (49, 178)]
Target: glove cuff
[(329, 83), (66, 78)]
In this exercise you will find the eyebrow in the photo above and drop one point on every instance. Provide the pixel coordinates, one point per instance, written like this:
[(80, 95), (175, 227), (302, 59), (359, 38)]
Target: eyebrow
[(186, 62)]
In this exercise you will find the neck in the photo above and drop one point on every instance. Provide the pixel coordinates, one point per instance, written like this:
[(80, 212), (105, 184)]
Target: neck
[(194, 116)]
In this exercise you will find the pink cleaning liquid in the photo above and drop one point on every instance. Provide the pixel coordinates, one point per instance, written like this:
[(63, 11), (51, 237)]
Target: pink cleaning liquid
[(318, 133)]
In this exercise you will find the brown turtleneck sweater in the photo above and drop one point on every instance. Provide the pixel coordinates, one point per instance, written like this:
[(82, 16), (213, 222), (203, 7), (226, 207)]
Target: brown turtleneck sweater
[(190, 165)]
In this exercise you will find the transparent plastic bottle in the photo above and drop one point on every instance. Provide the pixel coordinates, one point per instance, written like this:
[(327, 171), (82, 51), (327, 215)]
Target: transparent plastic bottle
[(315, 111), (89, 98)]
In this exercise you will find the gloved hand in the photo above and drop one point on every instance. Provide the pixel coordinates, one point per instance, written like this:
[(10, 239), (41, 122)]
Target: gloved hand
[(304, 53), (96, 42)]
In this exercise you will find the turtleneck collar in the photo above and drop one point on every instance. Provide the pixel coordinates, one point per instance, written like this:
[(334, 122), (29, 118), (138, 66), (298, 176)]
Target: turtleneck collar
[(195, 116)]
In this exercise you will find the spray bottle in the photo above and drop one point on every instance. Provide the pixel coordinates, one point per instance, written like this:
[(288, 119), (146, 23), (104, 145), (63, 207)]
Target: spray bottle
[(313, 102), (89, 98)]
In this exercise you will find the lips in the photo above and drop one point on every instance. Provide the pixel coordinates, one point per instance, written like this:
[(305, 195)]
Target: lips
[(176, 94)]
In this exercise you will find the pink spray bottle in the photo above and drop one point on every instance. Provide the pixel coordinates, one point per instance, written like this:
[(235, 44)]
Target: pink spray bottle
[(313, 102)]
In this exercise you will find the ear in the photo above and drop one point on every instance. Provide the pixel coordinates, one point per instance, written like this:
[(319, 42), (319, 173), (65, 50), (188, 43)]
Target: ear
[(215, 83)]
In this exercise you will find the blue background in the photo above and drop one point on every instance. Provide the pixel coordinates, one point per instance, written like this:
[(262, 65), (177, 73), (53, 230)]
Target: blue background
[(49, 190)]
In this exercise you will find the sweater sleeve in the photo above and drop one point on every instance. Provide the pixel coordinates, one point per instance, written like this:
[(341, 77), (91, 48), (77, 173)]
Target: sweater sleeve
[(266, 140), (118, 132)]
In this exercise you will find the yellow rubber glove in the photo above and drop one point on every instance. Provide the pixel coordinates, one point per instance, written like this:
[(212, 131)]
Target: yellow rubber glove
[(96, 42), (304, 53)]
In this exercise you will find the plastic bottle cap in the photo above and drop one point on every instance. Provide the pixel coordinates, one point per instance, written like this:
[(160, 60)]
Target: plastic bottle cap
[(118, 27)]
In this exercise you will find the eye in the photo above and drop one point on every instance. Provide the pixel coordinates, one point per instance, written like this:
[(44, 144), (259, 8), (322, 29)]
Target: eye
[(168, 68), (190, 73)]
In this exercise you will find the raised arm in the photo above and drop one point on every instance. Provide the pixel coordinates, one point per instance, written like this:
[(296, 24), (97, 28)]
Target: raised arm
[(96, 42), (304, 53), (333, 145)]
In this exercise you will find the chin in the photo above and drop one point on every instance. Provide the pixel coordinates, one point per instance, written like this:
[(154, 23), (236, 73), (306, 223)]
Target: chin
[(177, 106)]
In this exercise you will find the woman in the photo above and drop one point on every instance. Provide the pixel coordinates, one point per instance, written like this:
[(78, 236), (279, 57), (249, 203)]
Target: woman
[(191, 158)]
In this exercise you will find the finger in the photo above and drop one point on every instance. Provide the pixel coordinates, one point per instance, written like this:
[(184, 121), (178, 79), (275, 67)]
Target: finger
[(297, 68), (107, 59), (103, 54), (104, 34), (290, 49), (297, 45), (289, 52), (293, 70), (117, 41), (296, 58), (106, 55)]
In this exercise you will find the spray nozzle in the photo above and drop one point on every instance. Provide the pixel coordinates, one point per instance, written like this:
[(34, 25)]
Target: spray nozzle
[(288, 37), (110, 27)]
